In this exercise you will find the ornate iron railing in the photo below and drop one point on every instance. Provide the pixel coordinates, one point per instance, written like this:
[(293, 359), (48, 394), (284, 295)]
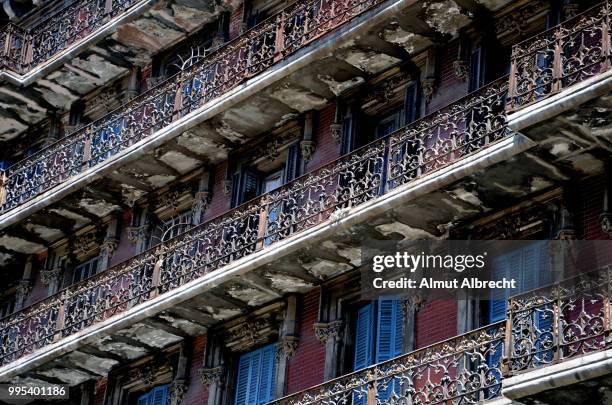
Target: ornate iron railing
[(24, 49), (561, 321), (469, 125), (466, 369), (570, 53), (248, 55), (548, 325)]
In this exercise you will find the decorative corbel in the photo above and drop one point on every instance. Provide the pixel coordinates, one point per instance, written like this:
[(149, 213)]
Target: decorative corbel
[(50, 276), (287, 347), (328, 330), (605, 219), (461, 69), (176, 391), (335, 128), (307, 145), (212, 375)]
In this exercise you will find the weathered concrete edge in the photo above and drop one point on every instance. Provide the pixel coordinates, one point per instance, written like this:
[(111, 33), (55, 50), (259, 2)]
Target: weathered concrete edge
[(73, 50), (567, 99), (496, 153), (558, 375), (302, 58)]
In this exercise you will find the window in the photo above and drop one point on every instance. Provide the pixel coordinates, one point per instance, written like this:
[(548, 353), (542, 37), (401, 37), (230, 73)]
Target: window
[(477, 68), (256, 372), (7, 307), (529, 265), (386, 340), (251, 181), (85, 270), (375, 345), (171, 228), (388, 124), (77, 111), (411, 103), (157, 396)]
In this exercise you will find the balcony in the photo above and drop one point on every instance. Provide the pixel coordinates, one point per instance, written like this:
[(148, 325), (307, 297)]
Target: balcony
[(444, 153), (27, 49), (471, 126), (474, 367), (542, 69), (174, 105)]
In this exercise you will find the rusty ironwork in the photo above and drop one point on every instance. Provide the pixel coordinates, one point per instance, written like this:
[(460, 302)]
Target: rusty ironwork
[(560, 322), (215, 74), (565, 55), (313, 199), (22, 49), (466, 369)]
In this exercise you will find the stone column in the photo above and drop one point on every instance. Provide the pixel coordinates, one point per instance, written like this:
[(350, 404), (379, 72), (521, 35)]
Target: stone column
[(331, 335), (286, 346), (307, 145), (137, 234), (133, 88), (180, 384), (214, 373), (201, 199), (410, 307), (109, 244), (25, 285)]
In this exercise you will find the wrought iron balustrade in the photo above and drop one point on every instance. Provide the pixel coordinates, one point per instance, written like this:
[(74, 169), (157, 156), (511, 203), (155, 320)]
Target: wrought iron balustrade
[(544, 326), (466, 369), (23, 49), (248, 55), (560, 322), (457, 131), (567, 54)]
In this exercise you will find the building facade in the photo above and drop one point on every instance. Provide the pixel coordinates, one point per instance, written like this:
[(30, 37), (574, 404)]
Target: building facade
[(186, 187)]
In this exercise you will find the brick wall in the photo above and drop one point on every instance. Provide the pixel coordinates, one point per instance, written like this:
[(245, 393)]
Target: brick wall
[(235, 25), (436, 321), (220, 202), (125, 248), (327, 148), (197, 393), (449, 86), (99, 391), (590, 207), (306, 367)]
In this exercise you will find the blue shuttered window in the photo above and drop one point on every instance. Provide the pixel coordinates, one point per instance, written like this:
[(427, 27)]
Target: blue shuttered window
[(255, 382), (157, 396), (364, 337), (530, 267), (379, 336)]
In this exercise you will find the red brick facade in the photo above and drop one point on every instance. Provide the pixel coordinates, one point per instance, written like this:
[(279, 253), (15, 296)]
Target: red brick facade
[(307, 365)]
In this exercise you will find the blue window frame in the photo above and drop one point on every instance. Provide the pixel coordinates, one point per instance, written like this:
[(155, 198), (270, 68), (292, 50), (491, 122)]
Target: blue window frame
[(157, 396), (256, 372), (379, 343), (530, 267)]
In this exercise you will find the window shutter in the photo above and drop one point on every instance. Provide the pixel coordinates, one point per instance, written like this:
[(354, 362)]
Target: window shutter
[(144, 399), (364, 337), (293, 157), (398, 349), (476, 69), (385, 342), (159, 396), (497, 304), (266, 384), (255, 381), (254, 377), (411, 103), (251, 182), (242, 382)]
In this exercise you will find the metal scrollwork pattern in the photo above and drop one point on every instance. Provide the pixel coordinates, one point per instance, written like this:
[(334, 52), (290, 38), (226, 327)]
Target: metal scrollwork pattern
[(323, 195), (570, 53), (560, 322), (453, 132), (22, 50), (209, 78), (463, 370)]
